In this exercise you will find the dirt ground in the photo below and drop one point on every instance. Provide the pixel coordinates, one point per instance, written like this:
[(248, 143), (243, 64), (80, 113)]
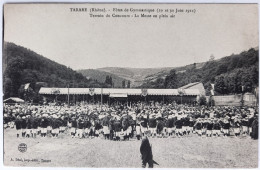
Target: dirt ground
[(187, 152)]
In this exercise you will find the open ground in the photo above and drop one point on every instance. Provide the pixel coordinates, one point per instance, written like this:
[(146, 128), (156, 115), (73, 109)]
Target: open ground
[(186, 152)]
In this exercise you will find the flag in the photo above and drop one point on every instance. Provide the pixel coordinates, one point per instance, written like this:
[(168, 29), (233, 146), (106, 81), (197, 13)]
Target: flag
[(91, 91), (26, 86), (212, 92), (212, 89), (213, 86)]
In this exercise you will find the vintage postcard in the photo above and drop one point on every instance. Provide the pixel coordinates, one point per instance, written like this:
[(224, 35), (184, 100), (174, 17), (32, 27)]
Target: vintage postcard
[(125, 85)]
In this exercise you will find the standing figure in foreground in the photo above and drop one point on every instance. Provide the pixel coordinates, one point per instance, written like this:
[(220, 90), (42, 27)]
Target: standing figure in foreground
[(146, 153), (255, 124)]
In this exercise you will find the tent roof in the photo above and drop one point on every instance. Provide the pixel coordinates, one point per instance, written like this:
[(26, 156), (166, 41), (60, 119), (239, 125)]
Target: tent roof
[(118, 95), (189, 85), (108, 91), (14, 100)]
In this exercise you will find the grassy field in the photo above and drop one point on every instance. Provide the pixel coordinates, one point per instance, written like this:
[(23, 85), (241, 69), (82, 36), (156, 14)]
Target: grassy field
[(187, 152)]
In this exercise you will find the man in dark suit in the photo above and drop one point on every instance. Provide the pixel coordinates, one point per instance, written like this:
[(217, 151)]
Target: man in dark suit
[(255, 124), (146, 153)]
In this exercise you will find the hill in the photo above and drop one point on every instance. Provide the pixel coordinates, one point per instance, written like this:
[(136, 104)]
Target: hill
[(228, 74), (21, 66), (100, 76), (164, 72), (135, 75)]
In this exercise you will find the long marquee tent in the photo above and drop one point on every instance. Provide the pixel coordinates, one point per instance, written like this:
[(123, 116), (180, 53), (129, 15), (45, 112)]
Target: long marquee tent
[(119, 92)]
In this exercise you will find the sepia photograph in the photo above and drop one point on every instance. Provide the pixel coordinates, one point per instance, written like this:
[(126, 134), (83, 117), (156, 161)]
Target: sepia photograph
[(130, 85)]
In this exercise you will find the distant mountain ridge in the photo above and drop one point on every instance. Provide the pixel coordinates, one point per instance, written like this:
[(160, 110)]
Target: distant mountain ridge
[(100, 76), (207, 72), (137, 76)]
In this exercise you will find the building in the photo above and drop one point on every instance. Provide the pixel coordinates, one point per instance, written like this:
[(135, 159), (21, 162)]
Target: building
[(13, 100), (197, 85), (110, 95)]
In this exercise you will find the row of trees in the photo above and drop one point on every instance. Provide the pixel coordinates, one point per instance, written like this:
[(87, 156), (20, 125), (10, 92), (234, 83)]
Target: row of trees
[(23, 66), (231, 83), (109, 82), (228, 74), (126, 84)]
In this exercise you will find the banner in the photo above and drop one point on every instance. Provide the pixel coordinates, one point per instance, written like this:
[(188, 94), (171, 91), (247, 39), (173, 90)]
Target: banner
[(55, 91), (91, 91), (144, 92)]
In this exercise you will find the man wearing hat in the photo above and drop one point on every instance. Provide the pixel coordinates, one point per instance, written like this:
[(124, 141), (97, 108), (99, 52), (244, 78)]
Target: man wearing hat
[(80, 128), (198, 126), (138, 128), (236, 126), (35, 124), (38, 118), (169, 125), (49, 122), (250, 122), (204, 125), (73, 127), (105, 124), (118, 128), (152, 125), (191, 125), (160, 126), (226, 126), (18, 126), (146, 153), (143, 125), (87, 126), (111, 128), (44, 124), (209, 127), (55, 124), (185, 124), (244, 124), (23, 125), (216, 127), (255, 125), (178, 125), (63, 125)]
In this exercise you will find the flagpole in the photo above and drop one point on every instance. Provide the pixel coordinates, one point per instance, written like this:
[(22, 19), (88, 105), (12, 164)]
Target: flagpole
[(68, 95), (101, 97)]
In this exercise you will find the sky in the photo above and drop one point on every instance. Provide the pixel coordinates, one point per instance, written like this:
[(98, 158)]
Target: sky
[(76, 40)]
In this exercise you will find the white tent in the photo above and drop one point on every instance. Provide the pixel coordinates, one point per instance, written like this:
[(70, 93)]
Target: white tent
[(13, 100)]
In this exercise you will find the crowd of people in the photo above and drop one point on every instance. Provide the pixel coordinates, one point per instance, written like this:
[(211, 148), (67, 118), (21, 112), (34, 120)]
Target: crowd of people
[(122, 122)]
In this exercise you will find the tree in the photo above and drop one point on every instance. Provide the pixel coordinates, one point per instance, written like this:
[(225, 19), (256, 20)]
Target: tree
[(107, 81), (221, 69), (202, 100), (159, 83), (24, 66), (14, 72), (220, 86), (123, 84), (128, 84), (211, 101), (8, 87), (171, 80), (211, 58), (208, 88)]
